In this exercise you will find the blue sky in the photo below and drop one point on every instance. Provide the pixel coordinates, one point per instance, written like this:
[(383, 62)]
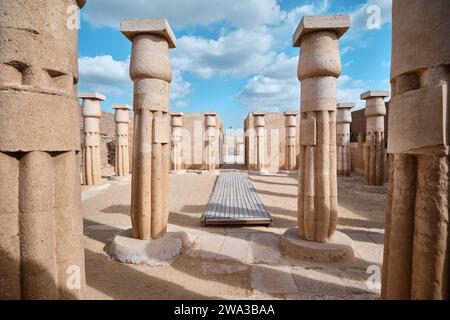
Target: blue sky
[(232, 56)]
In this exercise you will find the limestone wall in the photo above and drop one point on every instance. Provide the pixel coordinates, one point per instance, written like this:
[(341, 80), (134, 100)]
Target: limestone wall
[(275, 144), (193, 132)]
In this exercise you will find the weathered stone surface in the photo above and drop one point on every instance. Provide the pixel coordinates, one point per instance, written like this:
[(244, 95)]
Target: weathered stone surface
[(161, 27), (375, 152), (374, 94), (159, 252), (41, 246), (410, 123), (272, 279), (122, 161), (264, 248), (340, 247), (151, 72), (309, 24), (416, 255), (318, 69)]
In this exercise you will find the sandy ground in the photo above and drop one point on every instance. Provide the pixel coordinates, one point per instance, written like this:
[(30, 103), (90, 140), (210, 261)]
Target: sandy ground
[(238, 262)]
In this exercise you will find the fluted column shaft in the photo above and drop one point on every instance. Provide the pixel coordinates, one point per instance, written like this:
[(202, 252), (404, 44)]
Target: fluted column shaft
[(318, 70), (177, 142), (416, 246), (122, 119), (291, 137), (343, 121), (210, 142), (41, 242), (375, 154), (151, 72), (91, 113), (260, 124)]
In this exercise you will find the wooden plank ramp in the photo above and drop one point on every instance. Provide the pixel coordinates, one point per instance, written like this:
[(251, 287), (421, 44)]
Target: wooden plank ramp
[(234, 201)]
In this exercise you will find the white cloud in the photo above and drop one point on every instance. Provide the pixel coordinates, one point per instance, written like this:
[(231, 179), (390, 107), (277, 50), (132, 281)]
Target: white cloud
[(181, 104), (103, 69), (275, 89), (181, 14), (111, 77), (179, 88), (237, 54)]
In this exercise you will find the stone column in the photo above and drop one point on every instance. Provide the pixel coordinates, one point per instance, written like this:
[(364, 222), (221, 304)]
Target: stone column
[(91, 112), (291, 140), (343, 120), (375, 155), (318, 70), (122, 119), (41, 242), (360, 156), (151, 71), (177, 143), (259, 124), (416, 246), (210, 149)]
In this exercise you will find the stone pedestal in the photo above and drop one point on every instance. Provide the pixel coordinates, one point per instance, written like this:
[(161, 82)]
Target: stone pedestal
[(151, 72), (210, 154), (318, 69), (153, 252), (41, 242), (375, 155), (122, 120), (260, 142), (338, 248), (177, 143), (91, 112), (343, 120), (416, 245), (291, 140)]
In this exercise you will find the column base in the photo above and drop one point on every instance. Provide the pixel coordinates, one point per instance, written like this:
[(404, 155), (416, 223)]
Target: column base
[(339, 249), (153, 252)]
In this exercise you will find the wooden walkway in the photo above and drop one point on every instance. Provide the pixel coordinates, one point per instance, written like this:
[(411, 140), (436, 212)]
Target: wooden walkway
[(234, 201)]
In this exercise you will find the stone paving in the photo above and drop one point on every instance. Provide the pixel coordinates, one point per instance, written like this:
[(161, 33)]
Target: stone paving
[(245, 263)]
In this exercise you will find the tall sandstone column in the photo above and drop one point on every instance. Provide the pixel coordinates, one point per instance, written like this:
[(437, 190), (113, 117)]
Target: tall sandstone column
[(151, 71), (211, 150), (177, 142), (41, 244), (122, 120), (260, 123), (343, 121), (291, 140), (91, 112), (416, 247), (318, 70), (375, 155)]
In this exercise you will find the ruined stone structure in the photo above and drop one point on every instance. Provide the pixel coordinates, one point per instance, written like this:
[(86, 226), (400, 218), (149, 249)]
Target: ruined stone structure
[(211, 155), (177, 143), (375, 151), (91, 112), (291, 141), (343, 120), (122, 119), (151, 71), (318, 70), (274, 152), (416, 245), (260, 123), (193, 135), (41, 245)]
